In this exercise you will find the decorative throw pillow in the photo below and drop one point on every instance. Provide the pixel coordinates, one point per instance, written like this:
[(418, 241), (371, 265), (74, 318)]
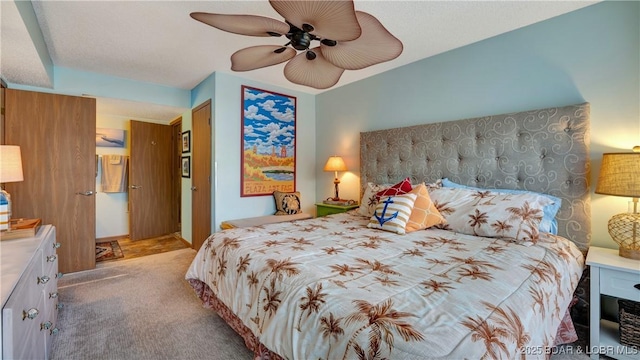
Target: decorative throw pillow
[(515, 217), (549, 222), (400, 188), (287, 203), (368, 202), (392, 213), (424, 214)]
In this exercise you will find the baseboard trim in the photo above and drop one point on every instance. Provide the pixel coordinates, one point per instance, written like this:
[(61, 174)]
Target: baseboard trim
[(185, 242)]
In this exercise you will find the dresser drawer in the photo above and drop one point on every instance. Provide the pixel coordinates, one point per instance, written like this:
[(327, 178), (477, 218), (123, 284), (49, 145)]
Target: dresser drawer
[(22, 315), (619, 284), (48, 324), (49, 254), (28, 291)]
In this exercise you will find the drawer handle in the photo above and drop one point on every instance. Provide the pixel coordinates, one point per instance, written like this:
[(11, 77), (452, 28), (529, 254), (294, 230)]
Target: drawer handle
[(31, 313), (51, 258), (58, 275), (53, 295), (56, 245), (45, 326), (54, 331), (637, 286), (43, 280)]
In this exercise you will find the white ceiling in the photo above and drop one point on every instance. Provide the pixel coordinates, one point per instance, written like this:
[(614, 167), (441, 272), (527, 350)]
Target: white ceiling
[(157, 42)]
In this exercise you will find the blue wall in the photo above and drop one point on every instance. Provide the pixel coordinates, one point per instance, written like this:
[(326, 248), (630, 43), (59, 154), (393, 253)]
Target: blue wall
[(224, 90), (591, 54)]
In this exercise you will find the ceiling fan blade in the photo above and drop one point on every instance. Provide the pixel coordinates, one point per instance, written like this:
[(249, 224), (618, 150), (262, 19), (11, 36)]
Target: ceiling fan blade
[(251, 25), (335, 20), (375, 45), (317, 73), (260, 56)]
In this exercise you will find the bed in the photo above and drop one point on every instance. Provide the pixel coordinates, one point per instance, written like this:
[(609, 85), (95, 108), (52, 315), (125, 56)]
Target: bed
[(336, 288)]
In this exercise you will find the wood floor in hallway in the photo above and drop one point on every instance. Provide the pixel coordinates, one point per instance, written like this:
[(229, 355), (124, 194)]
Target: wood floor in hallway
[(138, 248)]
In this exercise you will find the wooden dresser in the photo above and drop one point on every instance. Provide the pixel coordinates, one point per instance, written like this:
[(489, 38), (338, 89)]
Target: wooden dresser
[(29, 281)]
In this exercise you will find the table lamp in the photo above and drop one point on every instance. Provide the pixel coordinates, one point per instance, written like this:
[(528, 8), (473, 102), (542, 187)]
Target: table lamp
[(620, 176), (335, 164), (10, 171)]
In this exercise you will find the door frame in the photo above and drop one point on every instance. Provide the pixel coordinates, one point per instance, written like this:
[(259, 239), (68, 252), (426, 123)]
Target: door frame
[(177, 172)]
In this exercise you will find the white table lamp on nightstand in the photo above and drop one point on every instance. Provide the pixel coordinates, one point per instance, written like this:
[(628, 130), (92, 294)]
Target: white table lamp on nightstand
[(620, 176)]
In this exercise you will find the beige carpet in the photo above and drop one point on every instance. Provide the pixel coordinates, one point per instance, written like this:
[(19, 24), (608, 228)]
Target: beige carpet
[(140, 308)]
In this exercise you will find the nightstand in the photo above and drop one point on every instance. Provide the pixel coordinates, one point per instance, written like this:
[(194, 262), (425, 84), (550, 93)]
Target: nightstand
[(327, 209), (615, 276)]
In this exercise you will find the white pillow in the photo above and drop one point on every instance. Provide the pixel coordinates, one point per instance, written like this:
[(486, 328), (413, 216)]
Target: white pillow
[(368, 202), (392, 213), (490, 214)]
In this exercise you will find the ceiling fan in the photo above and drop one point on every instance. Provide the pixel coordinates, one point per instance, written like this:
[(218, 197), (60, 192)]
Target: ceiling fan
[(348, 40)]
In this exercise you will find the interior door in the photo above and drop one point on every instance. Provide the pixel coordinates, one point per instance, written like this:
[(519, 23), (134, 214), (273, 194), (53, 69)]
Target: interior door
[(150, 181), (201, 174), (56, 134)]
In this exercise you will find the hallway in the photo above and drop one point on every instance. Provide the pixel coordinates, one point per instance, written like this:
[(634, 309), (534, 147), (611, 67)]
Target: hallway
[(134, 249)]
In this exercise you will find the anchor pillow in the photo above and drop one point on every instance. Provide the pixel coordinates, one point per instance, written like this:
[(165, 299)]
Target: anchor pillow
[(392, 213)]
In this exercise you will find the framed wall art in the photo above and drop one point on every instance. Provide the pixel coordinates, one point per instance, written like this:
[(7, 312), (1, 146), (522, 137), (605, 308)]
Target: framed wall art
[(185, 165), (110, 137), (186, 141), (268, 142)]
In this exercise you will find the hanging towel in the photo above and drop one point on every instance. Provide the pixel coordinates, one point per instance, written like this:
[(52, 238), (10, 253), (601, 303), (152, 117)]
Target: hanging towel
[(115, 173)]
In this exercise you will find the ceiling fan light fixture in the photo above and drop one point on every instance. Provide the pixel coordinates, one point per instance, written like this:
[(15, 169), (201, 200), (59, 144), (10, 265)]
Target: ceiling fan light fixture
[(300, 40), (328, 42), (349, 40), (310, 55)]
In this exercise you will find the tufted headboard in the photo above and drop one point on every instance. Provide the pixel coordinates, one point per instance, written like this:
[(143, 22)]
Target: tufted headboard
[(543, 150)]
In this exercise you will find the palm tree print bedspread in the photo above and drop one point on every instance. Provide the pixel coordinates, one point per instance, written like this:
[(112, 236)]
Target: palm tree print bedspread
[(331, 288)]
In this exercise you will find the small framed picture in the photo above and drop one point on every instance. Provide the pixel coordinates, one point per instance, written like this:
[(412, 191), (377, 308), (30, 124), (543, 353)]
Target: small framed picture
[(186, 166), (186, 141)]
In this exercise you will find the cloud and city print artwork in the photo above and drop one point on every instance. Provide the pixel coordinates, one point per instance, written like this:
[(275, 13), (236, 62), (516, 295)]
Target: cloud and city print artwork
[(268, 142)]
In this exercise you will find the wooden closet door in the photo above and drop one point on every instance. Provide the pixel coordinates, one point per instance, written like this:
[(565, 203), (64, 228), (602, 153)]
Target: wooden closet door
[(56, 134)]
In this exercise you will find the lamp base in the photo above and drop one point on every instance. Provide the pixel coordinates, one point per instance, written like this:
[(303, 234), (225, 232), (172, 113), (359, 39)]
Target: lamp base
[(629, 254), (5, 210), (625, 231)]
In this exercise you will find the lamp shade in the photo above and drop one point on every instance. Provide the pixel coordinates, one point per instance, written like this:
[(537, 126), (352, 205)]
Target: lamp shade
[(10, 164), (619, 175), (335, 163)]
